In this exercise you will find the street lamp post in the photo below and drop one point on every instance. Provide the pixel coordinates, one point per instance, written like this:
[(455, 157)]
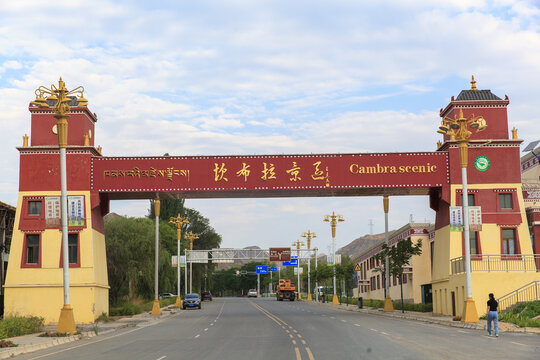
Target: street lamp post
[(309, 235), (155, 307), (179, 221), (298, 243), (66, 322), (316, 277), (333, 220), (191, 236), (457, 129), (388, 306)]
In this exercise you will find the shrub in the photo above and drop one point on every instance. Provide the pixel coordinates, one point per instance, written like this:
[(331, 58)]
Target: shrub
[(20, 325), (7, 343), (397, 305), (125, 309), (104, 318)]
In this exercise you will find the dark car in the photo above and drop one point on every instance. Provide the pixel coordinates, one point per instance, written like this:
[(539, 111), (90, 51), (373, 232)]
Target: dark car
[(207, 295), (191, 301)]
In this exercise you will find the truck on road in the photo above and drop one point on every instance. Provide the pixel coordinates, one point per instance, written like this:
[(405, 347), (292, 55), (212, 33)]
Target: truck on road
[(285, 290)]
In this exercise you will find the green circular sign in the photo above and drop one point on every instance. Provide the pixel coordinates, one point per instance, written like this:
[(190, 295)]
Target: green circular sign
[(481, 163)]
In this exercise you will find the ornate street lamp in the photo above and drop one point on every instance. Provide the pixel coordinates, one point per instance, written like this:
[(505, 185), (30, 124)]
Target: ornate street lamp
[(333, 220), (388, 305), (309, 235), (298, 243), (457, 129), (191, 236), (60, 96), (179, 221), (155, 307)]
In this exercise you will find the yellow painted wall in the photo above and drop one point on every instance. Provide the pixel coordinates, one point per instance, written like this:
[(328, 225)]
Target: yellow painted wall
[(39, 291), (448, 245), (421, 265)]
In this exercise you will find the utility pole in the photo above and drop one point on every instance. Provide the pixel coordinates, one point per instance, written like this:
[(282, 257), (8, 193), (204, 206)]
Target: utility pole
[(298, 243), (333, 220), (179, 221), (309, 235)]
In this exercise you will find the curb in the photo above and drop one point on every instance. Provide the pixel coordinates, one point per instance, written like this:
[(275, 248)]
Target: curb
[(44, 345), (25, 349), (458, 324)]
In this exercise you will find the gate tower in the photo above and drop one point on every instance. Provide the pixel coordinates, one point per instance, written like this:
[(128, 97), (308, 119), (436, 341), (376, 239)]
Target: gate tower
[(494, 184), (34, 283)]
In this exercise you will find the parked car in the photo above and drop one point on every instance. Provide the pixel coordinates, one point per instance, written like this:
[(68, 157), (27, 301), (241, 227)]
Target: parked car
[(166, 295), (252, 293), (191, 301), (206, 295)]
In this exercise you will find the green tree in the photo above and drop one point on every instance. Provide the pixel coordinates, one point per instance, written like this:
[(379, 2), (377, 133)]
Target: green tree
[(400, 256), (168, 208), (130, 257), (344, 272)]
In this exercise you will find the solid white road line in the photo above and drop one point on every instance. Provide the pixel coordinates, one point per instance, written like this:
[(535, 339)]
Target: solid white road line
[(513, 342)]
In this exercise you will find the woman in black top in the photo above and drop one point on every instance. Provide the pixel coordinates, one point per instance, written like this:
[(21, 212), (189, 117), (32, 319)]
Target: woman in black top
[(492, 308)]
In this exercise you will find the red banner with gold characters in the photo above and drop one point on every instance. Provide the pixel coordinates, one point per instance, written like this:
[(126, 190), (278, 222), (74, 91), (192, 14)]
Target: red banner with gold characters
[(269, 172)]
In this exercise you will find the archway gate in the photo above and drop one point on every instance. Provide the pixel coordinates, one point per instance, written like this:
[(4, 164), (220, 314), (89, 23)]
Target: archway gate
[(269, 175), (35, 267)]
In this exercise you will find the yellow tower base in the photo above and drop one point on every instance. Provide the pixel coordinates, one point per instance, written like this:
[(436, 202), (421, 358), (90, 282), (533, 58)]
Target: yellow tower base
[(66, 323), (388, 305), (155, 308), (178, 302), (309, 298), (469, 312), (299, 296), (335, 300)]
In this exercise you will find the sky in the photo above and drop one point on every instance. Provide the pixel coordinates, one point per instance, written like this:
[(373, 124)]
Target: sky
[(268, 77)]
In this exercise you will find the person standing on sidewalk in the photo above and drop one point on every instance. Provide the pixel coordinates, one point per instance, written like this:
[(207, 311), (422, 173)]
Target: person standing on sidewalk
[(492, 315)]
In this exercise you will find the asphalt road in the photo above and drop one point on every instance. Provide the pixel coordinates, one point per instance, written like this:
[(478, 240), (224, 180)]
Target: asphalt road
[(239, 328)]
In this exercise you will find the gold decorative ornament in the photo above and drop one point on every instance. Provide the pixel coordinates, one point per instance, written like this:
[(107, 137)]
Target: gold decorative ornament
[(309, 235), (473, 84), (59, 95), (298, 243), (458, 129), (191, 236), (333, 220)]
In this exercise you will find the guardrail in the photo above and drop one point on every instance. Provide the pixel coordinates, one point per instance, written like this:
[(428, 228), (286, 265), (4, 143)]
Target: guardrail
[(526, 293), (488, 263)]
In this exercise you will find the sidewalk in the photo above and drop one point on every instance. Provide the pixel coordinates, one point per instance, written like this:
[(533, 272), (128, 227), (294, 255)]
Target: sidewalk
[(30, 343), (434, 318)]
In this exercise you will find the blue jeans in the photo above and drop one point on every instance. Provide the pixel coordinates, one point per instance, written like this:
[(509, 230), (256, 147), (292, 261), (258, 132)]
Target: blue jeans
[(492, 316)]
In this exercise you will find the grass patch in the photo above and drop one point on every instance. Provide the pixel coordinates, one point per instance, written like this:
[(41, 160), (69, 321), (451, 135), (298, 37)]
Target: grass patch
[(167, 301), (20, 325), (104, 318), (125, 309), (397, 305), (136, 306), (58, 334), (522, 314)]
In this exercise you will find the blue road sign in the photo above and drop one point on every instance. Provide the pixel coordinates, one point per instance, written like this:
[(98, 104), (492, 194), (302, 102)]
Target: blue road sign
[(293, 262), (262, 269), (294, 257), (273, 268)]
